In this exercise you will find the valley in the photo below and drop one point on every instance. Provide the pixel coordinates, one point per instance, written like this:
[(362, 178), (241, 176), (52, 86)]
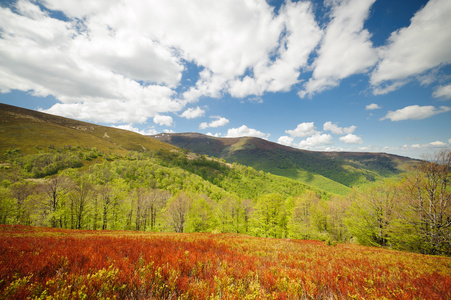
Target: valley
[(319, 225)]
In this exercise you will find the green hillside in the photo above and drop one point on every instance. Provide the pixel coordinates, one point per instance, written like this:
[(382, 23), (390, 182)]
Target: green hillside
[(335, 172), (63, 173), (30, 131), (36, 145)]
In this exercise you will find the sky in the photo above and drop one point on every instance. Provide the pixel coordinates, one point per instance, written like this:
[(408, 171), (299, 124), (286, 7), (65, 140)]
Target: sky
[(332, 75)]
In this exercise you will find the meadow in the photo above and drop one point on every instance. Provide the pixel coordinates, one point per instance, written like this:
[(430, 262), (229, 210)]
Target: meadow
[(50, 263)]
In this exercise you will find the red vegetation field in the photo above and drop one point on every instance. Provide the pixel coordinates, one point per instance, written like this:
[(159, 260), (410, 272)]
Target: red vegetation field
[(45, 263)]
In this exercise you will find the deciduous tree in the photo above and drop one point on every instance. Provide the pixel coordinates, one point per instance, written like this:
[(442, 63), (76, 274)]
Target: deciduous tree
[(429, 196), (176, 211)]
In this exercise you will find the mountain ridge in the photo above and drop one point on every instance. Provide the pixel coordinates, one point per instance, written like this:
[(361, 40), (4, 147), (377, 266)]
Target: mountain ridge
[(347, 169), (335, 172)]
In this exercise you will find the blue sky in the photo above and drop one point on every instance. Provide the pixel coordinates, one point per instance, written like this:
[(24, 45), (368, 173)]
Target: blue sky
[(332, 75)]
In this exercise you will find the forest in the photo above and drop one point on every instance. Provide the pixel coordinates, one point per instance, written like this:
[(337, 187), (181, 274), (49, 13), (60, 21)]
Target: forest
[(179, 191)]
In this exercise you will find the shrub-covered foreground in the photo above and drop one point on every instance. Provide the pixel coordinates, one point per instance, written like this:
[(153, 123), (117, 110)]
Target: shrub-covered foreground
[(47, 263)]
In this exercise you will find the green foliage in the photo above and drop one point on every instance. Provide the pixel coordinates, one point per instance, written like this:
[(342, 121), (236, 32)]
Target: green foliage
[(270, 217), (167, 189), (7, 205), (46, 164)]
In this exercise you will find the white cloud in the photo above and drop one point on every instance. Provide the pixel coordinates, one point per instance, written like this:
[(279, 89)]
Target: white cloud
[(372, 106), (192, 113), (246, 131), (285, 140), (216, 123), (208, 85), (46, 56), (80, 8), (163, 120), (117, 61), (215, 135), (351, 139), (303, 130), (346, 48), (316, 140), (256, 99), (449, 141), (335, 129), (299, 34), (130, 127), (415, 49), (429, 147), (443, 91), (415, 112), (118, 55), (438, 144)]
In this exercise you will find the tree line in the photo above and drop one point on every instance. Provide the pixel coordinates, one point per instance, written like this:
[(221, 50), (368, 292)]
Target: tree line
[(171, 191)]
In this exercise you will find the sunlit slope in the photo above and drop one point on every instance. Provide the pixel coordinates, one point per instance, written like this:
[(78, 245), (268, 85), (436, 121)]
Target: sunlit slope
[(331, 171), (30, 130)]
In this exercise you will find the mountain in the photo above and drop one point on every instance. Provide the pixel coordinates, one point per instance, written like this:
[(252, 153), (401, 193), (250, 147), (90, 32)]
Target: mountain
[(331, 171), (29, 130), (36, 145), (32, 132)]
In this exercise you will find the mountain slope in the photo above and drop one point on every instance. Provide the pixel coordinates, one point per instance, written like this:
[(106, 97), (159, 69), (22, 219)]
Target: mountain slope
[(35, 145), (331, 171), (29, 130)]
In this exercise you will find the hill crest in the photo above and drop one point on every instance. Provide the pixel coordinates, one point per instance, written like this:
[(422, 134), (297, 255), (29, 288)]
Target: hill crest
[(28, 129)]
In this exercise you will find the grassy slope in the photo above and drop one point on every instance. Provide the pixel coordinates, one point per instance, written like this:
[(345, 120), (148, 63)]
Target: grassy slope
[(334, 172), (28, 130)]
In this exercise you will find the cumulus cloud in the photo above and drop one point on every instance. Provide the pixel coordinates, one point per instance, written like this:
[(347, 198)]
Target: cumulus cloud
[(192, 113), (415, 112), (438, 144), (220, 121), (372, 106), (346, 48), (316, 140), (117, 61), (246, 131), (47, 56), (300, 35), (215, 135), (124, 55), (303, 130), (163, 120), (81, 8), (335, 129), (285, 140), (415, 49), (443, 92), (130, 127), (429, 147), (351, 139)]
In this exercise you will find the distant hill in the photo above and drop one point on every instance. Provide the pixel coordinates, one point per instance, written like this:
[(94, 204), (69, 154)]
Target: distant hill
[(29, 130), (331, 171)]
